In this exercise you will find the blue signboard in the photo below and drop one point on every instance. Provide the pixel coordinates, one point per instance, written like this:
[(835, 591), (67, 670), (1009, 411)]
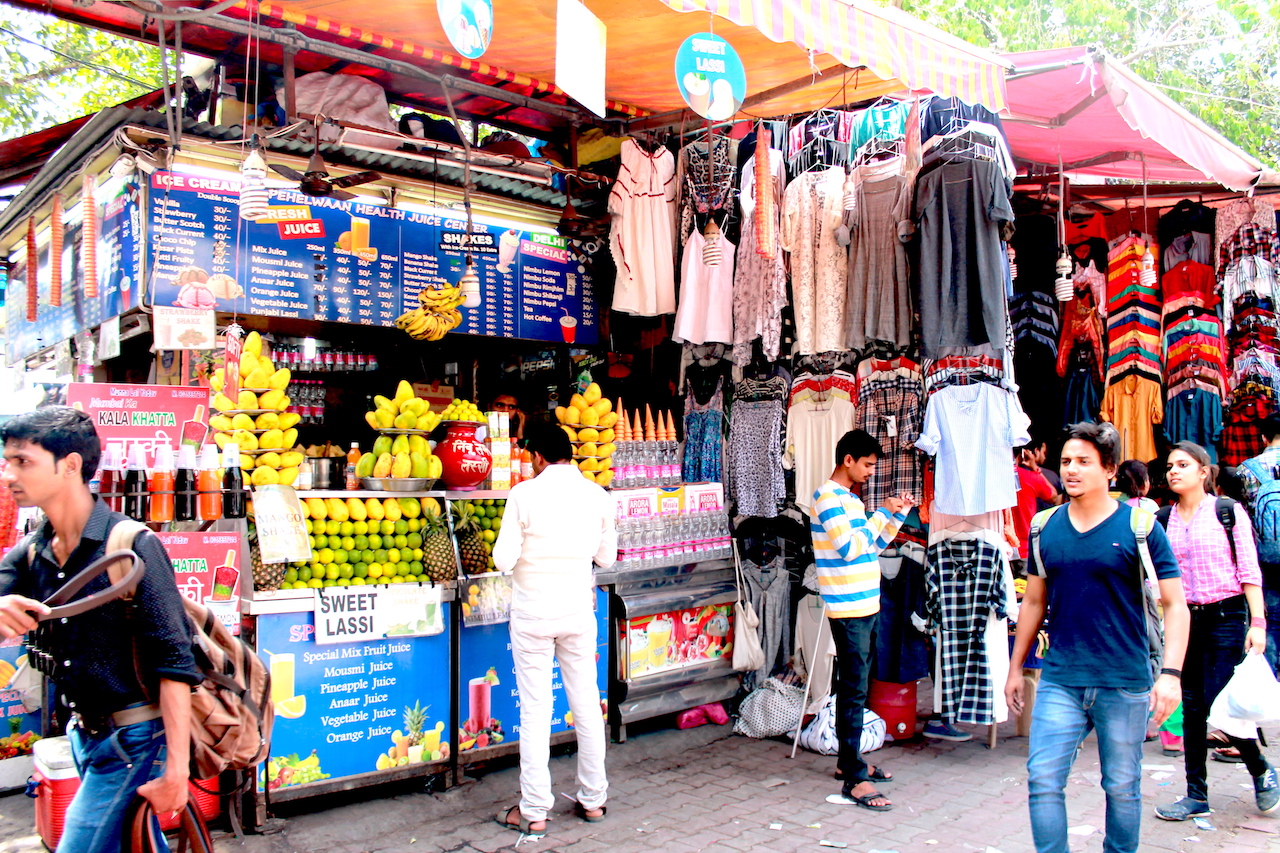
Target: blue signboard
[(355, 262), (489, 709), (711, 77), (119, 264), (468, 24), (352, 708)]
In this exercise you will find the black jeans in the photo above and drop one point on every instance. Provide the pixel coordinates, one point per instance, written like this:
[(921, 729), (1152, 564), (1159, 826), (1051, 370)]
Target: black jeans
[(1214, 648), (854, 639)]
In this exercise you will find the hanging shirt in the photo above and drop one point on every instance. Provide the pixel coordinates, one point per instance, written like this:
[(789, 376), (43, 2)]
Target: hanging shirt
[(890, 411), (642, 234), (812, 208), (878, 307), (959, 208), (1194, 415), (813, 430), (972, 430), (759, 282), (1134, 405), (706, 294)]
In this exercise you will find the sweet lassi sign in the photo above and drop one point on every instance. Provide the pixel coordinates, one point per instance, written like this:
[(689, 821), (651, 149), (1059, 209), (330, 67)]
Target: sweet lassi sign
[(710, 76)]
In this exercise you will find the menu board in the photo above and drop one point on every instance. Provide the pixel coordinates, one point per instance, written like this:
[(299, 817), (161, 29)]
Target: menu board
[(352, 708), (119, 265), (357, 262)]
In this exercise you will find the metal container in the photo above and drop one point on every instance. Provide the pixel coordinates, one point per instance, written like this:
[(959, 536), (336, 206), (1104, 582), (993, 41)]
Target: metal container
[(328, 473), (405, 484)]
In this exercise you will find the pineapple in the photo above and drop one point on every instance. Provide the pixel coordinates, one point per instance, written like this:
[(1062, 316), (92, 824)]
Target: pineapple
[(437, 551), (266, 576), (473, 551), (414, 719)]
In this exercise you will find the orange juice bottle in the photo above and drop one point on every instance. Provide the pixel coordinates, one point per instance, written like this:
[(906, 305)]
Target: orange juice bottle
[(353, 457)]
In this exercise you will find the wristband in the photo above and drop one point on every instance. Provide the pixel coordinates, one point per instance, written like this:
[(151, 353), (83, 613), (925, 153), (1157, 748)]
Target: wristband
[(1168, 670), (1258, 622)]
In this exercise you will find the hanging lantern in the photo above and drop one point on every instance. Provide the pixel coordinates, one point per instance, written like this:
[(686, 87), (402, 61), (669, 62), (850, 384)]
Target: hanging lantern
[(711, 249), (89, 250), (55, 253), (33, 271), (254, 199), (469, 284)]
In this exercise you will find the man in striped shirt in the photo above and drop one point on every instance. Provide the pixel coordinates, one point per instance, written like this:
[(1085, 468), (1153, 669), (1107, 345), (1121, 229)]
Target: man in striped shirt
[(846, 543)]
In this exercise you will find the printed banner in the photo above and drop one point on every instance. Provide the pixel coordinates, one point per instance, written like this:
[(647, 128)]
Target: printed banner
[(679, 638), (282, 529), (147, 414), (207, 567), (487, 600), (184, 328), (347, 613)]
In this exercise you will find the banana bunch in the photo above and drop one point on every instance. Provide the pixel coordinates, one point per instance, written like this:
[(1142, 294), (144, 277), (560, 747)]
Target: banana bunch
[(436, 315)]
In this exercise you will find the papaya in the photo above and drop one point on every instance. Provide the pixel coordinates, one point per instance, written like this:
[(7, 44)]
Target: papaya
[(402, 465), (382, 467), (364, 468)]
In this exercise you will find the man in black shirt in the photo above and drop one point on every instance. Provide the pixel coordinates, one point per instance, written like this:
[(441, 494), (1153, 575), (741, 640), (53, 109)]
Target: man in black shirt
[(120, 726)]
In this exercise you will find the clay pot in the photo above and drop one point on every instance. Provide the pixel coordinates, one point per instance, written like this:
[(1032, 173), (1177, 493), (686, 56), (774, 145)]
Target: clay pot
[(463, 454)]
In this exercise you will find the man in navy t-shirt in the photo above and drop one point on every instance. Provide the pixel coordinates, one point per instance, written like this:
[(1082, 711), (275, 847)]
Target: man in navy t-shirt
[(1096, 672)]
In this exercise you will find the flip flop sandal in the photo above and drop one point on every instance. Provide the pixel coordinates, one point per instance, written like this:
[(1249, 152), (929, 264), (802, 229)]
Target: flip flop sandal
[(1227, 755), (864, 801), (523, 826), (581, 811), (877, 775)]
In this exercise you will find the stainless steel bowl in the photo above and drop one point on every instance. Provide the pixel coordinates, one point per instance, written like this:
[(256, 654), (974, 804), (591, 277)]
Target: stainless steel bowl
[(407, 484)]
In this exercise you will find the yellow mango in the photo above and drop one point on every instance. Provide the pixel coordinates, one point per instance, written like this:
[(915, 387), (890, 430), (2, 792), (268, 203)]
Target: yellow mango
[(588, 449), (269, 460), (589, 475), (577, 402), (371, 418), (280, 379), (356, 510), (291, 459), (305, 507), (606, 463), (384, 418), (222, 403), (418, 445), (247, 400), (258, 379), (427, 421), (416, 405), (337, 509), (220, 422), (382, 468), (290, 439), (602, 407), (253, 343), (265, 477), (271, 400), (268, 421), (572, 416), (591, 418), (248, 363), (607, 449), (604, 478), (287, 476), (430, 506), (218, 380), (242, 421), (381, 402), (245, 440), (317, 508), (606, 435), (588, 465), (588, 434), (573, 436), (373, 506), (392, 509), (592, 394), (222, 439), (404, 393), (272, 439), (609, 421), (288, 419), (401, 467)]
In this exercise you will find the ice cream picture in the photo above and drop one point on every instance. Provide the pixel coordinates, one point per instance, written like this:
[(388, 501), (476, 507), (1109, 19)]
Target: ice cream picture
[(697, 92), (194, 291), (508, 248), (195, 430), (225, 578)]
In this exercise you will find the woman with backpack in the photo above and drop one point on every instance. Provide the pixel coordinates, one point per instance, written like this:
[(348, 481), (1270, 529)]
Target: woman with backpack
[(1213, 542)]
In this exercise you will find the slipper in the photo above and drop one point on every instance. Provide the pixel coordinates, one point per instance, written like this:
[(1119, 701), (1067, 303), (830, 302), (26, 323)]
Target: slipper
[(865, 802), (1227, 755), (877, 775), (581, 811), (521, 827)]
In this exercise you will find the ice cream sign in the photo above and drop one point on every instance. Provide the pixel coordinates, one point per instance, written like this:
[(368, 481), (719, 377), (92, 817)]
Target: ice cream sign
[(711, 77)]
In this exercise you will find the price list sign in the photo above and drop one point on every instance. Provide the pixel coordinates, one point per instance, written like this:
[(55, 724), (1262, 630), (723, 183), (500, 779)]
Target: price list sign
[(362, 263)]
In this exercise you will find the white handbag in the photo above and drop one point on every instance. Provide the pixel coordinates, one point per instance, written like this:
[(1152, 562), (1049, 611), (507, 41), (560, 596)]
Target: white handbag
[(748, 654), (771, 710)]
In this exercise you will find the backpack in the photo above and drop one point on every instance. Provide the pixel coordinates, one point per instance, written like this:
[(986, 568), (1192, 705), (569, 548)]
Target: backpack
[(231, 710), (1141, 522), (1266, 511), (1224, 509)]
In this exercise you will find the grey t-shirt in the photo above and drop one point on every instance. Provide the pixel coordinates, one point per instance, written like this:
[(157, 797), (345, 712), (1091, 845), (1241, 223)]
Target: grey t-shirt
[(960, 273)]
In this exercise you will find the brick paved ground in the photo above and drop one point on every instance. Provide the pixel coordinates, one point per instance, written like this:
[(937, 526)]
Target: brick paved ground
[(706, 790)]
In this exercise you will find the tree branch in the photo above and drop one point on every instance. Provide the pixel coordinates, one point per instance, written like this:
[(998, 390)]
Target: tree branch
[(1169, 44)]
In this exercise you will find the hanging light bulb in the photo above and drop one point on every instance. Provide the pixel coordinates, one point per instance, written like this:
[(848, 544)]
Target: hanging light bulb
[(711, 249), (254, 199), (469, 284), (1147, 276), (1063, 287), (1013, 262)]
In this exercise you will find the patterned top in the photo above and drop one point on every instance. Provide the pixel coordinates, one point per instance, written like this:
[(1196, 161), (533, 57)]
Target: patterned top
[(891, 411), (703, 426), (846, 543), (759, 282), (754, 455), (706, 185), (1204, 555), (812, 209), (1249, 239)]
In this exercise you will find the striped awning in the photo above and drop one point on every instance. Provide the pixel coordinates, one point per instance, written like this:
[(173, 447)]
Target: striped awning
[(889, 43)]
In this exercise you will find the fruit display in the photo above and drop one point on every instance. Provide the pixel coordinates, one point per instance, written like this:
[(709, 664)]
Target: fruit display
[(437, 314), (404, 456), (417, 744), (589, 419), (288, 770), (463, 410), (401, 413), (17, 744), (363, 541), (476, 526), (256, 421)]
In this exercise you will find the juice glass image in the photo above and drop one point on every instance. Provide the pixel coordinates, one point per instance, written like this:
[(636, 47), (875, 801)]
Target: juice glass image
[(430, 741), (359, 233), (282, 671), (659, 642), (568, 329), (638, 651), (478, 695), (225, 577)]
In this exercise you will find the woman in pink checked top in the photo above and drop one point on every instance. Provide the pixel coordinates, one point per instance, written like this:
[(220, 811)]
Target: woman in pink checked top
[(1224, 592)]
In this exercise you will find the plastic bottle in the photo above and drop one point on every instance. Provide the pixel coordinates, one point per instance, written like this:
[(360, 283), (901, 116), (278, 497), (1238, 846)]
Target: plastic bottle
[(233, 497), (184, 485), (526, 465), (209, 485), (135, 484), (353, 458), (111, 477), (160, 485)]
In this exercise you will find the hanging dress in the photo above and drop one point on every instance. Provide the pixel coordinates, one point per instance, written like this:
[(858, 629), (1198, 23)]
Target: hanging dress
[(643, 205), (703, 427)]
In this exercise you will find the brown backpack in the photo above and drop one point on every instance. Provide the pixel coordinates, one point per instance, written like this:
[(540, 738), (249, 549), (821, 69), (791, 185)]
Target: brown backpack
[(231, 710)]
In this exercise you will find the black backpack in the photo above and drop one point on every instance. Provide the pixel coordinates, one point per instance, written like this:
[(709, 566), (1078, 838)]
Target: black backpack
[(1224, 508)]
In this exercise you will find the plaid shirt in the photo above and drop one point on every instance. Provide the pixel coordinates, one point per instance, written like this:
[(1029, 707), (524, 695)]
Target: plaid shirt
[(890, 411), (1249, 239), (1242, 436), (963, 585), (1204, 554)]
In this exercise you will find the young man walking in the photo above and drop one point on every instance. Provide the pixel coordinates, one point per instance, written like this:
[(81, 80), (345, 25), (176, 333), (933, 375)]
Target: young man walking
[(120, 728), (1087, 573), (556, 525), (846, 545)]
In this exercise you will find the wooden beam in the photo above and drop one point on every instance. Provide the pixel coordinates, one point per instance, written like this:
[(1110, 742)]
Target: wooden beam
[(290, 81)]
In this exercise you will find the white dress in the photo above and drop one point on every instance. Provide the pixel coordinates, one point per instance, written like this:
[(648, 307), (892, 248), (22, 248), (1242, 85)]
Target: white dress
[(811, 212), (642, 237), (706, 295)]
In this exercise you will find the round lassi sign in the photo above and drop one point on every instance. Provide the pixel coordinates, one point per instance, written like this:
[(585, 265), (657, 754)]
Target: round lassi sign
[(468, 24), (710, 76)]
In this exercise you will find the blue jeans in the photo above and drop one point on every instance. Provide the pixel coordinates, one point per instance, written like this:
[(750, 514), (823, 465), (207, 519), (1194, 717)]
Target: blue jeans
[(1062, 718), (112, 767)]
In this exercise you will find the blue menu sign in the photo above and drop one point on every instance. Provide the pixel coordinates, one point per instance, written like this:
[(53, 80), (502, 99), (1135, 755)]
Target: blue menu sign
[(356, 262)]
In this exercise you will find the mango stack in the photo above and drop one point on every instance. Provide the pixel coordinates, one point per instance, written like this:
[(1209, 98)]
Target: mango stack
[(257, 421), (589, 420), (406, 454)]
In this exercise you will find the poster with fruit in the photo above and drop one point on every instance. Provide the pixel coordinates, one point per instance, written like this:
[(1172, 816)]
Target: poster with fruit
[(678, 638), (360, 262), (13, 654), (489, 709), (352, 708)]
